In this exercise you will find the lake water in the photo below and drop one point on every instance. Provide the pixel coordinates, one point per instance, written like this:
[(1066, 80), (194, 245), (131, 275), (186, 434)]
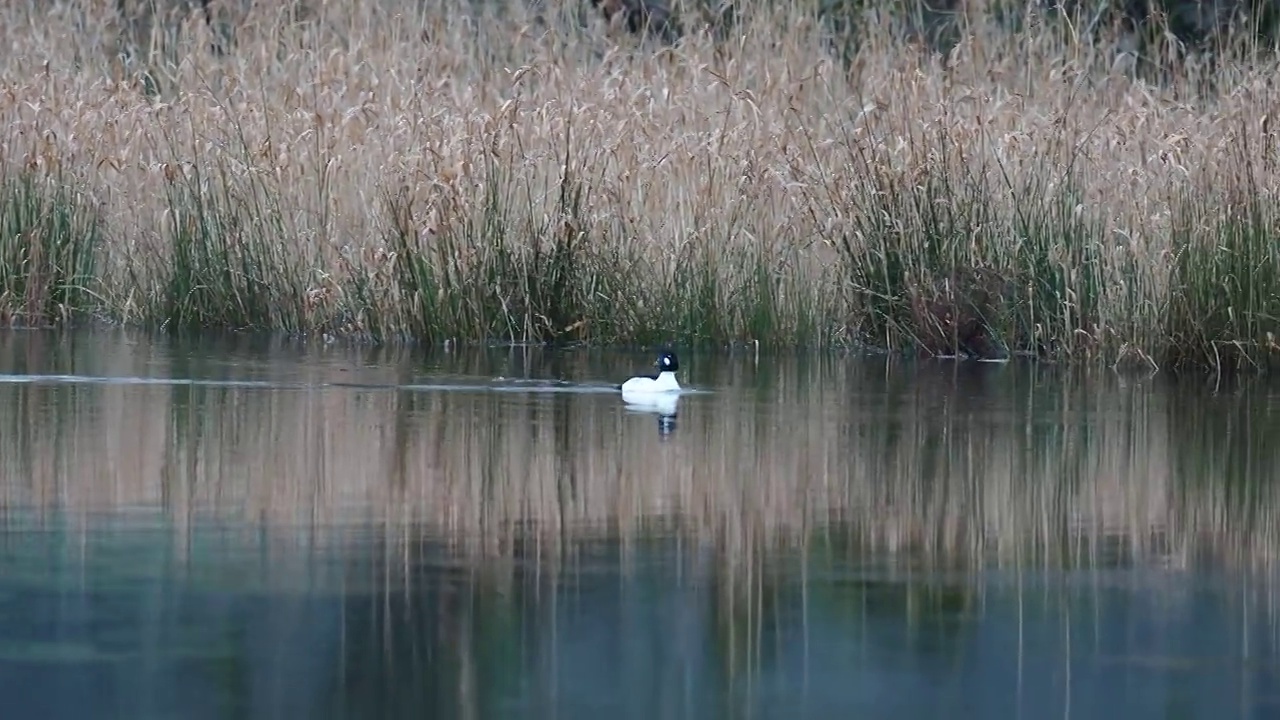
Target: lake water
[(258, 528)]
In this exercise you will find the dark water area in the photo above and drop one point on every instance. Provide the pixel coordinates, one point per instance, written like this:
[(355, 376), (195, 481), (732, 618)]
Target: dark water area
[(259, 528)]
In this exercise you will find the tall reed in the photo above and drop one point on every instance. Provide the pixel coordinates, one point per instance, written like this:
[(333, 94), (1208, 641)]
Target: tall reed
[(49, 241), (477, 172)]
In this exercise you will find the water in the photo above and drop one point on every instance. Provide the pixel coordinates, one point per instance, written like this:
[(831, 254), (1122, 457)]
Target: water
[(258, 529)]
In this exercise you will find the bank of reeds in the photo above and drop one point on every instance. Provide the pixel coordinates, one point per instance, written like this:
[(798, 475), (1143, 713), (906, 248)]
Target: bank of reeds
[(446, 172)]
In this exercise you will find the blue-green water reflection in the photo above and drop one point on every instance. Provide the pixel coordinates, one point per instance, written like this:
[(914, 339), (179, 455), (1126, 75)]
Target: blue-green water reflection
[(819, 538)]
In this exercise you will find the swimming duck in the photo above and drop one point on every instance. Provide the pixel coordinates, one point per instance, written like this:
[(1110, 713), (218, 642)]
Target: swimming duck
[(643, 388)]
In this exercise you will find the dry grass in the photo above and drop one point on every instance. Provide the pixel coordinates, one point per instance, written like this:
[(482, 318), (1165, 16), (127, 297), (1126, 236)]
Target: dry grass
[(387, 170)]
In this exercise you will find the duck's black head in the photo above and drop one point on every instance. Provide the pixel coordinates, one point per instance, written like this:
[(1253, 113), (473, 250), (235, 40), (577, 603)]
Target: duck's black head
[(667, 362)]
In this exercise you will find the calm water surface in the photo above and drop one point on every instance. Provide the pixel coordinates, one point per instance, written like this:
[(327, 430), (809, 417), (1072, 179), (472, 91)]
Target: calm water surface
[(259, 529)]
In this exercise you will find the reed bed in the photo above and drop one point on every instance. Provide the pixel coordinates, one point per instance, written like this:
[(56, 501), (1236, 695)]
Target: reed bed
[(449, 171)]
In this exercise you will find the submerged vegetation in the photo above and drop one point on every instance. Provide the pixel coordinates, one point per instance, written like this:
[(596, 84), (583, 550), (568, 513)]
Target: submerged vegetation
[(477, 171)]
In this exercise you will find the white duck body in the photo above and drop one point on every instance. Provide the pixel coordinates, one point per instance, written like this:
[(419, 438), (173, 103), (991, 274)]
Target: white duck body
[(665, 382), (643, 389), (666, 404)]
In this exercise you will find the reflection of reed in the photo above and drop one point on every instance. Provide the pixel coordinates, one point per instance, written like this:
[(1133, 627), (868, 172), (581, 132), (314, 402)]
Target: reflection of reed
[(839, 461), (947, 462)]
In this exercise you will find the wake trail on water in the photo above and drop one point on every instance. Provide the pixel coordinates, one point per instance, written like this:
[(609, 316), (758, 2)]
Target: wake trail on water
[(496, 385)]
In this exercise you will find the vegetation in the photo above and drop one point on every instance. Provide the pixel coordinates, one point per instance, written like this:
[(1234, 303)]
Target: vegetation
[(477, 172)]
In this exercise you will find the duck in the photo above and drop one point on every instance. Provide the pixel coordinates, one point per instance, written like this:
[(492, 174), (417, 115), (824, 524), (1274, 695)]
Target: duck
[(643, 389)]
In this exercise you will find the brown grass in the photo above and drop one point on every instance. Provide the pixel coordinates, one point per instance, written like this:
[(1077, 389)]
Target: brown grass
[(383, 170)]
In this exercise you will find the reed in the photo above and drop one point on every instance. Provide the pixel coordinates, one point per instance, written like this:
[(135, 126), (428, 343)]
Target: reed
[(49, 240), (439, 171)]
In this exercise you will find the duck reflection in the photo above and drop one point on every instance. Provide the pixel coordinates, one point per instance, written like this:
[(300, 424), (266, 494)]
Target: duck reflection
[(664, 405)]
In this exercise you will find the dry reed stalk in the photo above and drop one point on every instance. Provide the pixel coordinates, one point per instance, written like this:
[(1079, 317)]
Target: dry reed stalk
[(390, 169)]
